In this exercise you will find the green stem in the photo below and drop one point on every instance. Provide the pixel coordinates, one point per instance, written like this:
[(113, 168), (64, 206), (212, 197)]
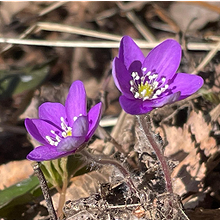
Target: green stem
[(64, 188)]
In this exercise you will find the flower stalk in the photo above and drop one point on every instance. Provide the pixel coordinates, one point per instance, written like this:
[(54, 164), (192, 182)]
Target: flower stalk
[(64, 188), (157, 149), (45, 190)]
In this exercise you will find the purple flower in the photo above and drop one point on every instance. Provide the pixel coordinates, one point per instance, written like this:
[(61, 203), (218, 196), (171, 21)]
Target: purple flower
[(151, 82), (62, 130)]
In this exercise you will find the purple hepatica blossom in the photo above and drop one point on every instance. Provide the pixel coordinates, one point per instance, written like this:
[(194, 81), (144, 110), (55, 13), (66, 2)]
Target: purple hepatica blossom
[(62, 130), (151, 82)]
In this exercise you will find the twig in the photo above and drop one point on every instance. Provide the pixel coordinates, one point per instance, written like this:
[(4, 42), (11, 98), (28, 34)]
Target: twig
[(45, 190)]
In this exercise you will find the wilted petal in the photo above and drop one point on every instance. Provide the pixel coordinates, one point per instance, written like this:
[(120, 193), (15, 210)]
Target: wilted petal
[(76, 102), (39, 129), (94, 116), (70, 144), (46, 152), (164, 59), (80, 126), (134, 107), (186, 83), (52, 112), (129, 51)]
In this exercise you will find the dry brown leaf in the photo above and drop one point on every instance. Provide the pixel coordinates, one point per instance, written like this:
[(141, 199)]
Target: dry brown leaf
[(186, 144), (197, 15), (83, 186), (13, 172)]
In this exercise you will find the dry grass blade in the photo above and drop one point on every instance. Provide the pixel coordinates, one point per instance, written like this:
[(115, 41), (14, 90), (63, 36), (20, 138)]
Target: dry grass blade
[(51, 7), (138, 24), (100, 44), (207, 58), (166, 18), (46, 26), (132, 5)]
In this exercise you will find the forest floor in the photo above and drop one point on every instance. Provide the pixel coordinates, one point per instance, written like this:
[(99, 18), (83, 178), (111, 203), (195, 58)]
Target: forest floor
[(45, 46)]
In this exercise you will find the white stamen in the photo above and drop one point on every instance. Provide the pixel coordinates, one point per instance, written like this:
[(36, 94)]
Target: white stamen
[(148, 73), (142, 78), (145, 98), (155, 76), (144, 92), (136, 95), (137, 77), (133, 74), (74, 118), (155, 84), (158, 92), (154, 96), (144, 69), (132, 89), (57, 138)]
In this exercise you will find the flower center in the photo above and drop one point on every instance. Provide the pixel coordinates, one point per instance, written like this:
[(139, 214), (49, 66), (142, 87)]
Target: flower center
[(145, 90), (147, 86), (55, 138)]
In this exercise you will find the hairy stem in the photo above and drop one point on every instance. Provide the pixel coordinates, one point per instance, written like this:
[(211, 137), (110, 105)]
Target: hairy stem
[(156, 148), (45, 190)]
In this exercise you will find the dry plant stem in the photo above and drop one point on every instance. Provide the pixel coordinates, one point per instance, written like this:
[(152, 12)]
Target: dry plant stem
[(45, 190), (97, 44), (207, 58), (155, 146), (106, 161)]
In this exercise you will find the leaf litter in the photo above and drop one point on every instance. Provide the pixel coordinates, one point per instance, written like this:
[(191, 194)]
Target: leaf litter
[(189, 130)]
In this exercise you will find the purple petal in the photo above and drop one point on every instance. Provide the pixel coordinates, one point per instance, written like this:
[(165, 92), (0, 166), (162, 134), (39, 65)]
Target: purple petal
[(164, 59), (80, 126), (129, 52), (46, 152), (187, 84), (39, 129), (134, 106), (76, 102), (70, 144), (94, 116), (122, 77), (52, 112), (159, 102), (114, 74)]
